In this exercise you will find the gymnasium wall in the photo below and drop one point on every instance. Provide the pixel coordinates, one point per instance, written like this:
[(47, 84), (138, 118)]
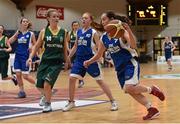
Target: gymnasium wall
[(73, 10)]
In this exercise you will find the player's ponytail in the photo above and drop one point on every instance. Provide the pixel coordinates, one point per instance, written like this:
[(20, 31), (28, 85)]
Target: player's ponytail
[(111, 15), (49, 11), (94, 24)]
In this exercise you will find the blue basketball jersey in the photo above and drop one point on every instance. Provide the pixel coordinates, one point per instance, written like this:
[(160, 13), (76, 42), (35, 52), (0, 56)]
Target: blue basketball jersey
[(121, 53), (24, 42), (85, 42), (167, 47)]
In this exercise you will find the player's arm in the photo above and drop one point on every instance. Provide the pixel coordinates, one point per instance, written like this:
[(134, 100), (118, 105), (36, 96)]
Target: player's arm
[(96, 39), (173, 46), (68, 41), (9, 49), (66, 58), (129, 36), (14, 37), (38, 44), (74, 48), (33, 39), (163, 45), (97, 56)]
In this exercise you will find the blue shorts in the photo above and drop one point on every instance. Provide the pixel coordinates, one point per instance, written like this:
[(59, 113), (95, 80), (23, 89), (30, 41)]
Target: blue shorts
[(79, 71), (129, 73), (20, 64), (168, 56)]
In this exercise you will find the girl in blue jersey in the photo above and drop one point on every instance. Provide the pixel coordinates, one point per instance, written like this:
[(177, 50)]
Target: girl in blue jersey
[(25, 39), (71, 37), (83, 47), (168, 47), (124, 56), (5, 48)]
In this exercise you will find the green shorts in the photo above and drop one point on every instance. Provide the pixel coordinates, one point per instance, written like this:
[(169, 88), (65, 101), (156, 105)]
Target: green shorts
[(4, 67), (48, 72)]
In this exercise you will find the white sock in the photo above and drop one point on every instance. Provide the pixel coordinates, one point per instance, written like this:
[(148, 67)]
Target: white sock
[(149, 89), (148, 105)]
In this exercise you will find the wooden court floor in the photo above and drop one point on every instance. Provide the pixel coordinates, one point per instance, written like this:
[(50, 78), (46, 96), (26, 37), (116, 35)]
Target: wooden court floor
[(129, 110)]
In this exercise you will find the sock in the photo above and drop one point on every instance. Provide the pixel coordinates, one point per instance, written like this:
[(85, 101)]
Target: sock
[(148, 105), (149, 89)]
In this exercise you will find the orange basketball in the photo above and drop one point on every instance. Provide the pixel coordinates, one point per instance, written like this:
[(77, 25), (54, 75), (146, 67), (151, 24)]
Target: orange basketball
[(115, 29)]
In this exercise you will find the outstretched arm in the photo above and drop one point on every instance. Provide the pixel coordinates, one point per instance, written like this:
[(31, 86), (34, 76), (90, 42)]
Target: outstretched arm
[(35, 48), (129, 36), (97, 56), (14, 37)]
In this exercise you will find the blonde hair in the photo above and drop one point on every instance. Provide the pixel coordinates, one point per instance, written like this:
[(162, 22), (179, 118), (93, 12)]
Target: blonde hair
[(48, 14), (49, 11)]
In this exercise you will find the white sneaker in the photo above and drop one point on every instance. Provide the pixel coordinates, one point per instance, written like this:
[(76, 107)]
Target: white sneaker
[(47, 107), (69, 106), (42, 101), (114, 106)]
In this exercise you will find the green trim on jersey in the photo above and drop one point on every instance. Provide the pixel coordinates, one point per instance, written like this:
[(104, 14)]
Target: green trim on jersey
[(72, 39), (3, 54), (54, 45)]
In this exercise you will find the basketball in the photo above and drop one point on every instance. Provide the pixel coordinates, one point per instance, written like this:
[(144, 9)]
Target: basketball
[(115, 29)]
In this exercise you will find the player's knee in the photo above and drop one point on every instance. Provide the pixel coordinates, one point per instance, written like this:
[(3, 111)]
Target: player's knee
[(100, 82), (25, 77), (129, 89), (72, 79)]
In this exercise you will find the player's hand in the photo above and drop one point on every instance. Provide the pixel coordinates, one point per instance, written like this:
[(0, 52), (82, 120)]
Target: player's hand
[(126, 26), (86, 64), (7, 50), (29, 62), (67, 64)]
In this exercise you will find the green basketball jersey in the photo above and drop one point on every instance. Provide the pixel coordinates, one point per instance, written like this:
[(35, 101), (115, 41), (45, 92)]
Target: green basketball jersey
[(3, 54), (72, 39), (54, 45)]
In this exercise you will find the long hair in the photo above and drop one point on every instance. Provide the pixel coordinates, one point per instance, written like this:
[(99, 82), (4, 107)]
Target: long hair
[(4, 31), (94, 24), (29, 23), (111, 15), (49, 11)]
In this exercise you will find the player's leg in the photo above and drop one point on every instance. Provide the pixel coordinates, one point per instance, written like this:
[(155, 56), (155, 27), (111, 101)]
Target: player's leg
[(77, 72), (94, 71)]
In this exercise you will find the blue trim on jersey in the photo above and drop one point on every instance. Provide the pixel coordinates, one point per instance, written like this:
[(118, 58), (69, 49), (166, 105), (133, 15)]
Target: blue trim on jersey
[(119, 55), (84, 40), (23, 43)]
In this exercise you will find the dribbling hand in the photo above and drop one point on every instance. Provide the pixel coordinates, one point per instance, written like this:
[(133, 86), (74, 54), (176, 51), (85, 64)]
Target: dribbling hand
[(86, 64)]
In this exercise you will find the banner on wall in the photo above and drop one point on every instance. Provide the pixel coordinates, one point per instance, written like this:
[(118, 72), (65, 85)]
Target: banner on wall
[(42, 10)]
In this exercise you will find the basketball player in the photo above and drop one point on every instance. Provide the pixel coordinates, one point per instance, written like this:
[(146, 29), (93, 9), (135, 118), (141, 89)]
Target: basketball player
[(83, 47), (71, 37), (5, 48), (168, 47), (124, 56), (26, 39), (53, 39)]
